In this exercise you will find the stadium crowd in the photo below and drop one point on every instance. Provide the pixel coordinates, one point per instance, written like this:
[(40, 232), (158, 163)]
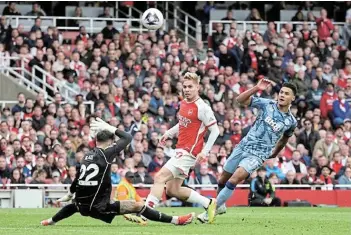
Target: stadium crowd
[(135, 82)]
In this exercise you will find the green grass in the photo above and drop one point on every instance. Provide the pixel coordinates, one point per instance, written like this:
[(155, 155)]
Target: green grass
[(270, 221)]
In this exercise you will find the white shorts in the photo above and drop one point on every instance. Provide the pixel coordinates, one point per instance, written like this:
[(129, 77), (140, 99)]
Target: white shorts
[(180, 164)]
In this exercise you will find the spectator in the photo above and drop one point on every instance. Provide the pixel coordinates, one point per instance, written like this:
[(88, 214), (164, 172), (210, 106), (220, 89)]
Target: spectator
[(275, 73), (341, 109), (36, 11), (290, 179), (229, 15), (125, 189), (314, 94), (203, 177), (16, 178), (77, 13), (251, 58), (324, 25), (346, 32), (326, 176), (115, 177), (218, 36), (311, 178), (254, 15), (346, 178), (106, 13), (295, 165), (109, 30), (272, 168), (141, 176), (326, 146), (336, 163), (260, 188), (308, 137), (326, 103), (5, 172), (11, 9), (40, 176)]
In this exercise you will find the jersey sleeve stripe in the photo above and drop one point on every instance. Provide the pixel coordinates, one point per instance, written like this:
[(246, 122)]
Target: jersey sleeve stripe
[(211, 124)]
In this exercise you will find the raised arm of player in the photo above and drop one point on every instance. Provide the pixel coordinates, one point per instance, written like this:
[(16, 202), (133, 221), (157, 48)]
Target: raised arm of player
[(124, 139), (245, 97)]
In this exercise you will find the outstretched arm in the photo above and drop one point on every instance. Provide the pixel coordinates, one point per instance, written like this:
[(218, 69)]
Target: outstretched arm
[(245, 97)]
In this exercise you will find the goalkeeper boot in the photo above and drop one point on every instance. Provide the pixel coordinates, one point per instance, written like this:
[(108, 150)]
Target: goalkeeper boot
[(47, 222), (135, 219), (211, 210), (185, 219)]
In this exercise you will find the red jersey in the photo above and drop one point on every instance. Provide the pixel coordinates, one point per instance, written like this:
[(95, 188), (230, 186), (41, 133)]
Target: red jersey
[(194, 120)]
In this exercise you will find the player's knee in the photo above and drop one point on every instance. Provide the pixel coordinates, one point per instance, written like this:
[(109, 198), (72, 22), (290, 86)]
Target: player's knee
[(171, 191), (160, 177), (138, 206)]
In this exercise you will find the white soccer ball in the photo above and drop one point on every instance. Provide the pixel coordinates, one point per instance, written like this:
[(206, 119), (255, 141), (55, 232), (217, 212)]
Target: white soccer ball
[(152, 19)]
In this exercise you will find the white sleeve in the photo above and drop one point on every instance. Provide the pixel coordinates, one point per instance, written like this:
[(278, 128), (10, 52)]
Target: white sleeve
[(171, 133), (214, 133), (207, 116)]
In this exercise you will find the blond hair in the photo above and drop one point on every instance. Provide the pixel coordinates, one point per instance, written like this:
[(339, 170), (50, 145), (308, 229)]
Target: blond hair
[(193, 77)]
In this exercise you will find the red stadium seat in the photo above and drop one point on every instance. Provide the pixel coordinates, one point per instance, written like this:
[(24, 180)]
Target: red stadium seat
[(70, 35)]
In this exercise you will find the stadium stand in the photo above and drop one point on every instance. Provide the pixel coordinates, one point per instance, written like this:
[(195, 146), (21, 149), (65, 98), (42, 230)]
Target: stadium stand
[(132, 78)]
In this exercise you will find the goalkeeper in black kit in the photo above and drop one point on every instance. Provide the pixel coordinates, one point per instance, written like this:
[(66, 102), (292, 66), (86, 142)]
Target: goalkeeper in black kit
[(92, 185)]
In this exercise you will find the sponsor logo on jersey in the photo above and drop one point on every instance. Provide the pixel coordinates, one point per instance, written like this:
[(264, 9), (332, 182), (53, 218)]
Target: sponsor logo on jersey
[(183, 121), (190, 112), (275, 126)]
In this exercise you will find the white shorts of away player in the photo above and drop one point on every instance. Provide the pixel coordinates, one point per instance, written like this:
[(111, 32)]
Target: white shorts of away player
[(180, 164)]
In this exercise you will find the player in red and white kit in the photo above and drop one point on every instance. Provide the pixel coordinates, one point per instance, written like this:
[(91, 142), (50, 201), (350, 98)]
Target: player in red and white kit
[(195, 119)]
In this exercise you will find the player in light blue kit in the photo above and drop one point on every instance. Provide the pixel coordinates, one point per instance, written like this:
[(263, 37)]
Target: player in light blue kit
[(274, 125)]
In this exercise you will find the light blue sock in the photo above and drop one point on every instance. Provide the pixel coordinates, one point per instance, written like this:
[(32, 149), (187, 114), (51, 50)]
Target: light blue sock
[(225, 193)]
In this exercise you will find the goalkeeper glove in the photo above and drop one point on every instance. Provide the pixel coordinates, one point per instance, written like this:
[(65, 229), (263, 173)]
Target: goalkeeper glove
[(66, 198), (99, 125)]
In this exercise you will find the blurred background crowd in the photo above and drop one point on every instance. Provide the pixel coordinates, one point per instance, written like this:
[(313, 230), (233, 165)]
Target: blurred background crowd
[(135, 82)]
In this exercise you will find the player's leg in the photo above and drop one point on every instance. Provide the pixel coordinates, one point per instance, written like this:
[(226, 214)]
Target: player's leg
[(128, 206), (247, 165), (64, 213), (160, 179), (276, 202), (257, 203), (223, 178), (174, 188)]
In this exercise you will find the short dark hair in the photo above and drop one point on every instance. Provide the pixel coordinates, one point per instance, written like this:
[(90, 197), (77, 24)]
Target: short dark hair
[(291, 86), (104, 135)]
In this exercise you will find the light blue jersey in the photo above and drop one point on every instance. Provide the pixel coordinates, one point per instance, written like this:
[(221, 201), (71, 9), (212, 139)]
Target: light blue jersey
[(257, 146)]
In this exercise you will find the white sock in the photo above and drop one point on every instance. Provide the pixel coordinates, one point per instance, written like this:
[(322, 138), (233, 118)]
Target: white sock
[(174, 220), (196, 197), (152, 201), (51, 221)]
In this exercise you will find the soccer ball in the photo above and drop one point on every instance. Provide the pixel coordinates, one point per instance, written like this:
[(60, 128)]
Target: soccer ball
[(152, 19)]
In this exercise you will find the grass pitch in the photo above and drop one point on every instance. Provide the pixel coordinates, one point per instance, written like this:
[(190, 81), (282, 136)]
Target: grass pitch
[(270, 221)]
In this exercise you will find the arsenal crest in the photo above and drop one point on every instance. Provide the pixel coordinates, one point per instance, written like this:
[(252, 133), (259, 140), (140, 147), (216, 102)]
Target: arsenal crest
[(190, 112)]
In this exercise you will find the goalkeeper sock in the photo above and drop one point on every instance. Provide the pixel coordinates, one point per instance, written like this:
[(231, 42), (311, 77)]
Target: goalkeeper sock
[(155, 215), (196, 197), (152, 201), (65, 212), (225, 194)]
